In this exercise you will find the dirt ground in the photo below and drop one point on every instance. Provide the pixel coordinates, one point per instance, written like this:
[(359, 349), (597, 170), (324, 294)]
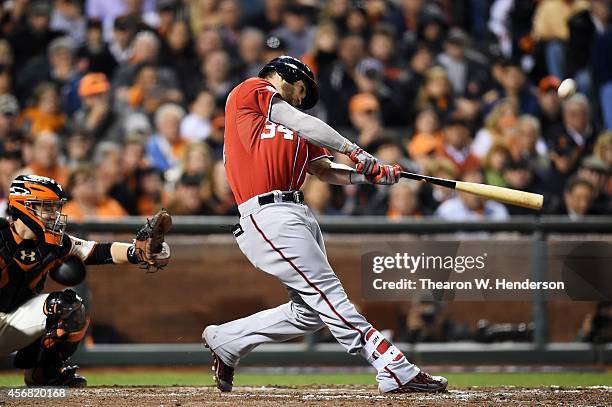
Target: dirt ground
[(320, 396)]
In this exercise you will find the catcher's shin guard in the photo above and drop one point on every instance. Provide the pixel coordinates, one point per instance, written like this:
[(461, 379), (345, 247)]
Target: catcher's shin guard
[(46, 360)]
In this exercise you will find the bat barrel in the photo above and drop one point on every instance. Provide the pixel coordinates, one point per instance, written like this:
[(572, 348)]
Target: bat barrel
[(506, 195)]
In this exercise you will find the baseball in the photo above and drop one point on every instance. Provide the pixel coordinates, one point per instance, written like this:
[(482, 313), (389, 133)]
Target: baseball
[(567, 88)]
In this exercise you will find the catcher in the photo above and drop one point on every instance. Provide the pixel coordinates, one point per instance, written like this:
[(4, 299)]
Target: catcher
[(45, 329)]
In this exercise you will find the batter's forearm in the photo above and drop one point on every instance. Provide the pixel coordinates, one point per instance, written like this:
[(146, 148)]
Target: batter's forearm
[(337, 174), (309, 127)]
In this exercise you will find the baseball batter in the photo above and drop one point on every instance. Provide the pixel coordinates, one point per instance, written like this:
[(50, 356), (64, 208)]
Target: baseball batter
[(270, 145)]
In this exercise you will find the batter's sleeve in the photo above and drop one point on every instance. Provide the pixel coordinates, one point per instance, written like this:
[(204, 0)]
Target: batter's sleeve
[(309, 127)]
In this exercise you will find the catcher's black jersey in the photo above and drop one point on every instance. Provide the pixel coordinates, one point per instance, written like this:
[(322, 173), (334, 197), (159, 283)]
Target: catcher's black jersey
[(24, 264)]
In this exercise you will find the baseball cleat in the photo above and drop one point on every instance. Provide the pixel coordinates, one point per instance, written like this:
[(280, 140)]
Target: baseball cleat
[(222, 374), (423, 382), (66, 376)]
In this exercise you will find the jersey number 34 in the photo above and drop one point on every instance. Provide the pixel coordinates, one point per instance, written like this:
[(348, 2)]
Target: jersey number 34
[(271, 129)]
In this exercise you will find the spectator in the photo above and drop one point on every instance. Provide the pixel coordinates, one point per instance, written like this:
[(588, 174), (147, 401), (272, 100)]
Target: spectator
[(120, 43), (78, 150), (166, 146), (403, 201), (250, 49), (187, 198), (45, 114), (268, 19), (44, 158), (466, 75), (337, 84), (217, 76), (514, 85), (31, 40), (323, 51), (364, 111), (196, 126), (495, 163), (455, 146), (602, 71), (564, 154), (467, 206), (370, 78), (528, 144), (57, 67), (149, 91), (111, 176), (9, 108), (583, 26), (151, 194), (296, 30), (519, 175), (578, 197), (229, 12), (549, 104), (597, 172), (431, 196), (164, 17), (215, 141), (87, 200), (145, 50), (382, 48), (427, 138), (204, 14), (67, 17), (97, 117), (420, 62), (221, 201), (356, 22), (603, 148), (577, 122), (197, 162), (95, 53), (498, 123), (436, 92), (133, 164)]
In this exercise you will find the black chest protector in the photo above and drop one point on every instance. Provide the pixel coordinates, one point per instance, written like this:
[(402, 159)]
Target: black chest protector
[(24, 267)]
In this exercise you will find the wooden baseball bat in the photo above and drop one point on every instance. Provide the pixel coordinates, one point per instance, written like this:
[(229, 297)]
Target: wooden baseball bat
[(506, 195)]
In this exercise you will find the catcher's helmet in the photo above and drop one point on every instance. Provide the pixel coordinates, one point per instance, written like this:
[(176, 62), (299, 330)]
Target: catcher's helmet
[(292, 70), (37, 201)]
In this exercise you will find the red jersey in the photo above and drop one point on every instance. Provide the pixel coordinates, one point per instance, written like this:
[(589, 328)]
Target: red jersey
[(260, 155)]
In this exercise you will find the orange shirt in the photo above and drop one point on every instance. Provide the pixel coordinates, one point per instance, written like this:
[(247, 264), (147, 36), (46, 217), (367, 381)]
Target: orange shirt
[(106, 208), (58, 173), (261, 156), (41, 122)]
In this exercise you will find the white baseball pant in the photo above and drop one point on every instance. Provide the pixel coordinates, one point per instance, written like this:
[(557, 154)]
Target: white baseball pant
[(284, 240), (23, 326)]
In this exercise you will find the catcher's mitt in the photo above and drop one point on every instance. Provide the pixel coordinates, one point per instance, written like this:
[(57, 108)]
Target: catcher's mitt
[(149, 246)]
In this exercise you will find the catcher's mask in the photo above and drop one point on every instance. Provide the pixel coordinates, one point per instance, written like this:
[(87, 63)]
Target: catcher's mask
[(38, 201)]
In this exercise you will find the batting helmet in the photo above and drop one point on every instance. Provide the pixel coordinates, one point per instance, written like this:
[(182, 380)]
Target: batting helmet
[(292, 70), (37, 201)]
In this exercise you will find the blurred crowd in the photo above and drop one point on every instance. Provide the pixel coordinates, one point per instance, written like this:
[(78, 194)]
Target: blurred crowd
[(122, 101)]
